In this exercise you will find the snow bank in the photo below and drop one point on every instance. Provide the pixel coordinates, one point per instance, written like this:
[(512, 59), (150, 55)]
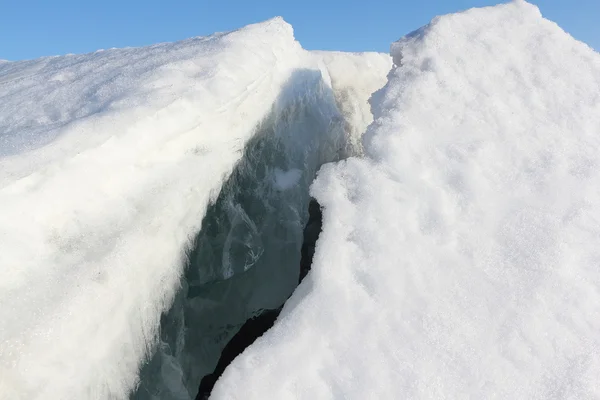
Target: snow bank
[(459, 258), (354, 77), (108, 161)]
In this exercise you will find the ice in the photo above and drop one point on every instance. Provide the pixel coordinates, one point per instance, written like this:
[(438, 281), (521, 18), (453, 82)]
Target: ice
[(247, 256), (152, 199), (108, 162), (459, 257), (287, 179)]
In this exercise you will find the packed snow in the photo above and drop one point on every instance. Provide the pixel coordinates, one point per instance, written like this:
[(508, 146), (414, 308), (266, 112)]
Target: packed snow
[(460, 257)]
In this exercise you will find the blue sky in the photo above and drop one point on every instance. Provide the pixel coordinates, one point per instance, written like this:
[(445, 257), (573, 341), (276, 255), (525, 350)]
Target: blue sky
[(34, 28)]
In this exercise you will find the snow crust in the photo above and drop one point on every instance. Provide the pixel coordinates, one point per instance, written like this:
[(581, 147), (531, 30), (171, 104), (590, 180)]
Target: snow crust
[(108, 162), (459, 257)]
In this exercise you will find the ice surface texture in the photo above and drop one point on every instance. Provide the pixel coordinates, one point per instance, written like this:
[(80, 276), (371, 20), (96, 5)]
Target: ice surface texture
[(460, 257)]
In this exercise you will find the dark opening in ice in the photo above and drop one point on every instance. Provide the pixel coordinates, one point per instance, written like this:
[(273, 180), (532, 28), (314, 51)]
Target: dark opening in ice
[(246, 258), (259, 324)]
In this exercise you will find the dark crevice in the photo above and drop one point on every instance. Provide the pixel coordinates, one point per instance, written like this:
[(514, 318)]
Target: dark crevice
[(256, 326), (250, 331), (244, 262), (311, 233)]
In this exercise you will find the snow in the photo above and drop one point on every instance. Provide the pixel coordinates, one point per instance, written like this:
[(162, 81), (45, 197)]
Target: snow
[(354, 77), (459, 257), (107, 163)]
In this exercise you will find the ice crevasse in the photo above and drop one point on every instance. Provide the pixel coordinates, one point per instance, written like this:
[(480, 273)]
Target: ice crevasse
[(459, 251), (108, 163)]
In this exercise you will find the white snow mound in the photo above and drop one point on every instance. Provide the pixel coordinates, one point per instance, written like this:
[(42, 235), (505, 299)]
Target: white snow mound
[(460, 257), (107, 163)]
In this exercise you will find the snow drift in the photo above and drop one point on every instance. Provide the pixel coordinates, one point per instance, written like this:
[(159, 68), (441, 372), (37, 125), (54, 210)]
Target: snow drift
[(459, 257)]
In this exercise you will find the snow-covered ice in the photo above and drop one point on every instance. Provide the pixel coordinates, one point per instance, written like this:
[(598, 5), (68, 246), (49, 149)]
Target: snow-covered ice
[(460, 252), (246, 257), (108, 162), (460, 258)]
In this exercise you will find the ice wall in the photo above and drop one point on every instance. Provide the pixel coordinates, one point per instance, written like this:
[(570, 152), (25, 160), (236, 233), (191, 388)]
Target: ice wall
[(246, 258), (459, 257), (108, 162), (110, 165)]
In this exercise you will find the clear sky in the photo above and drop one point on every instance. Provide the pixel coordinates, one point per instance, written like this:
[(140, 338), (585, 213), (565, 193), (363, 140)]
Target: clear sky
[(34, 28)]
